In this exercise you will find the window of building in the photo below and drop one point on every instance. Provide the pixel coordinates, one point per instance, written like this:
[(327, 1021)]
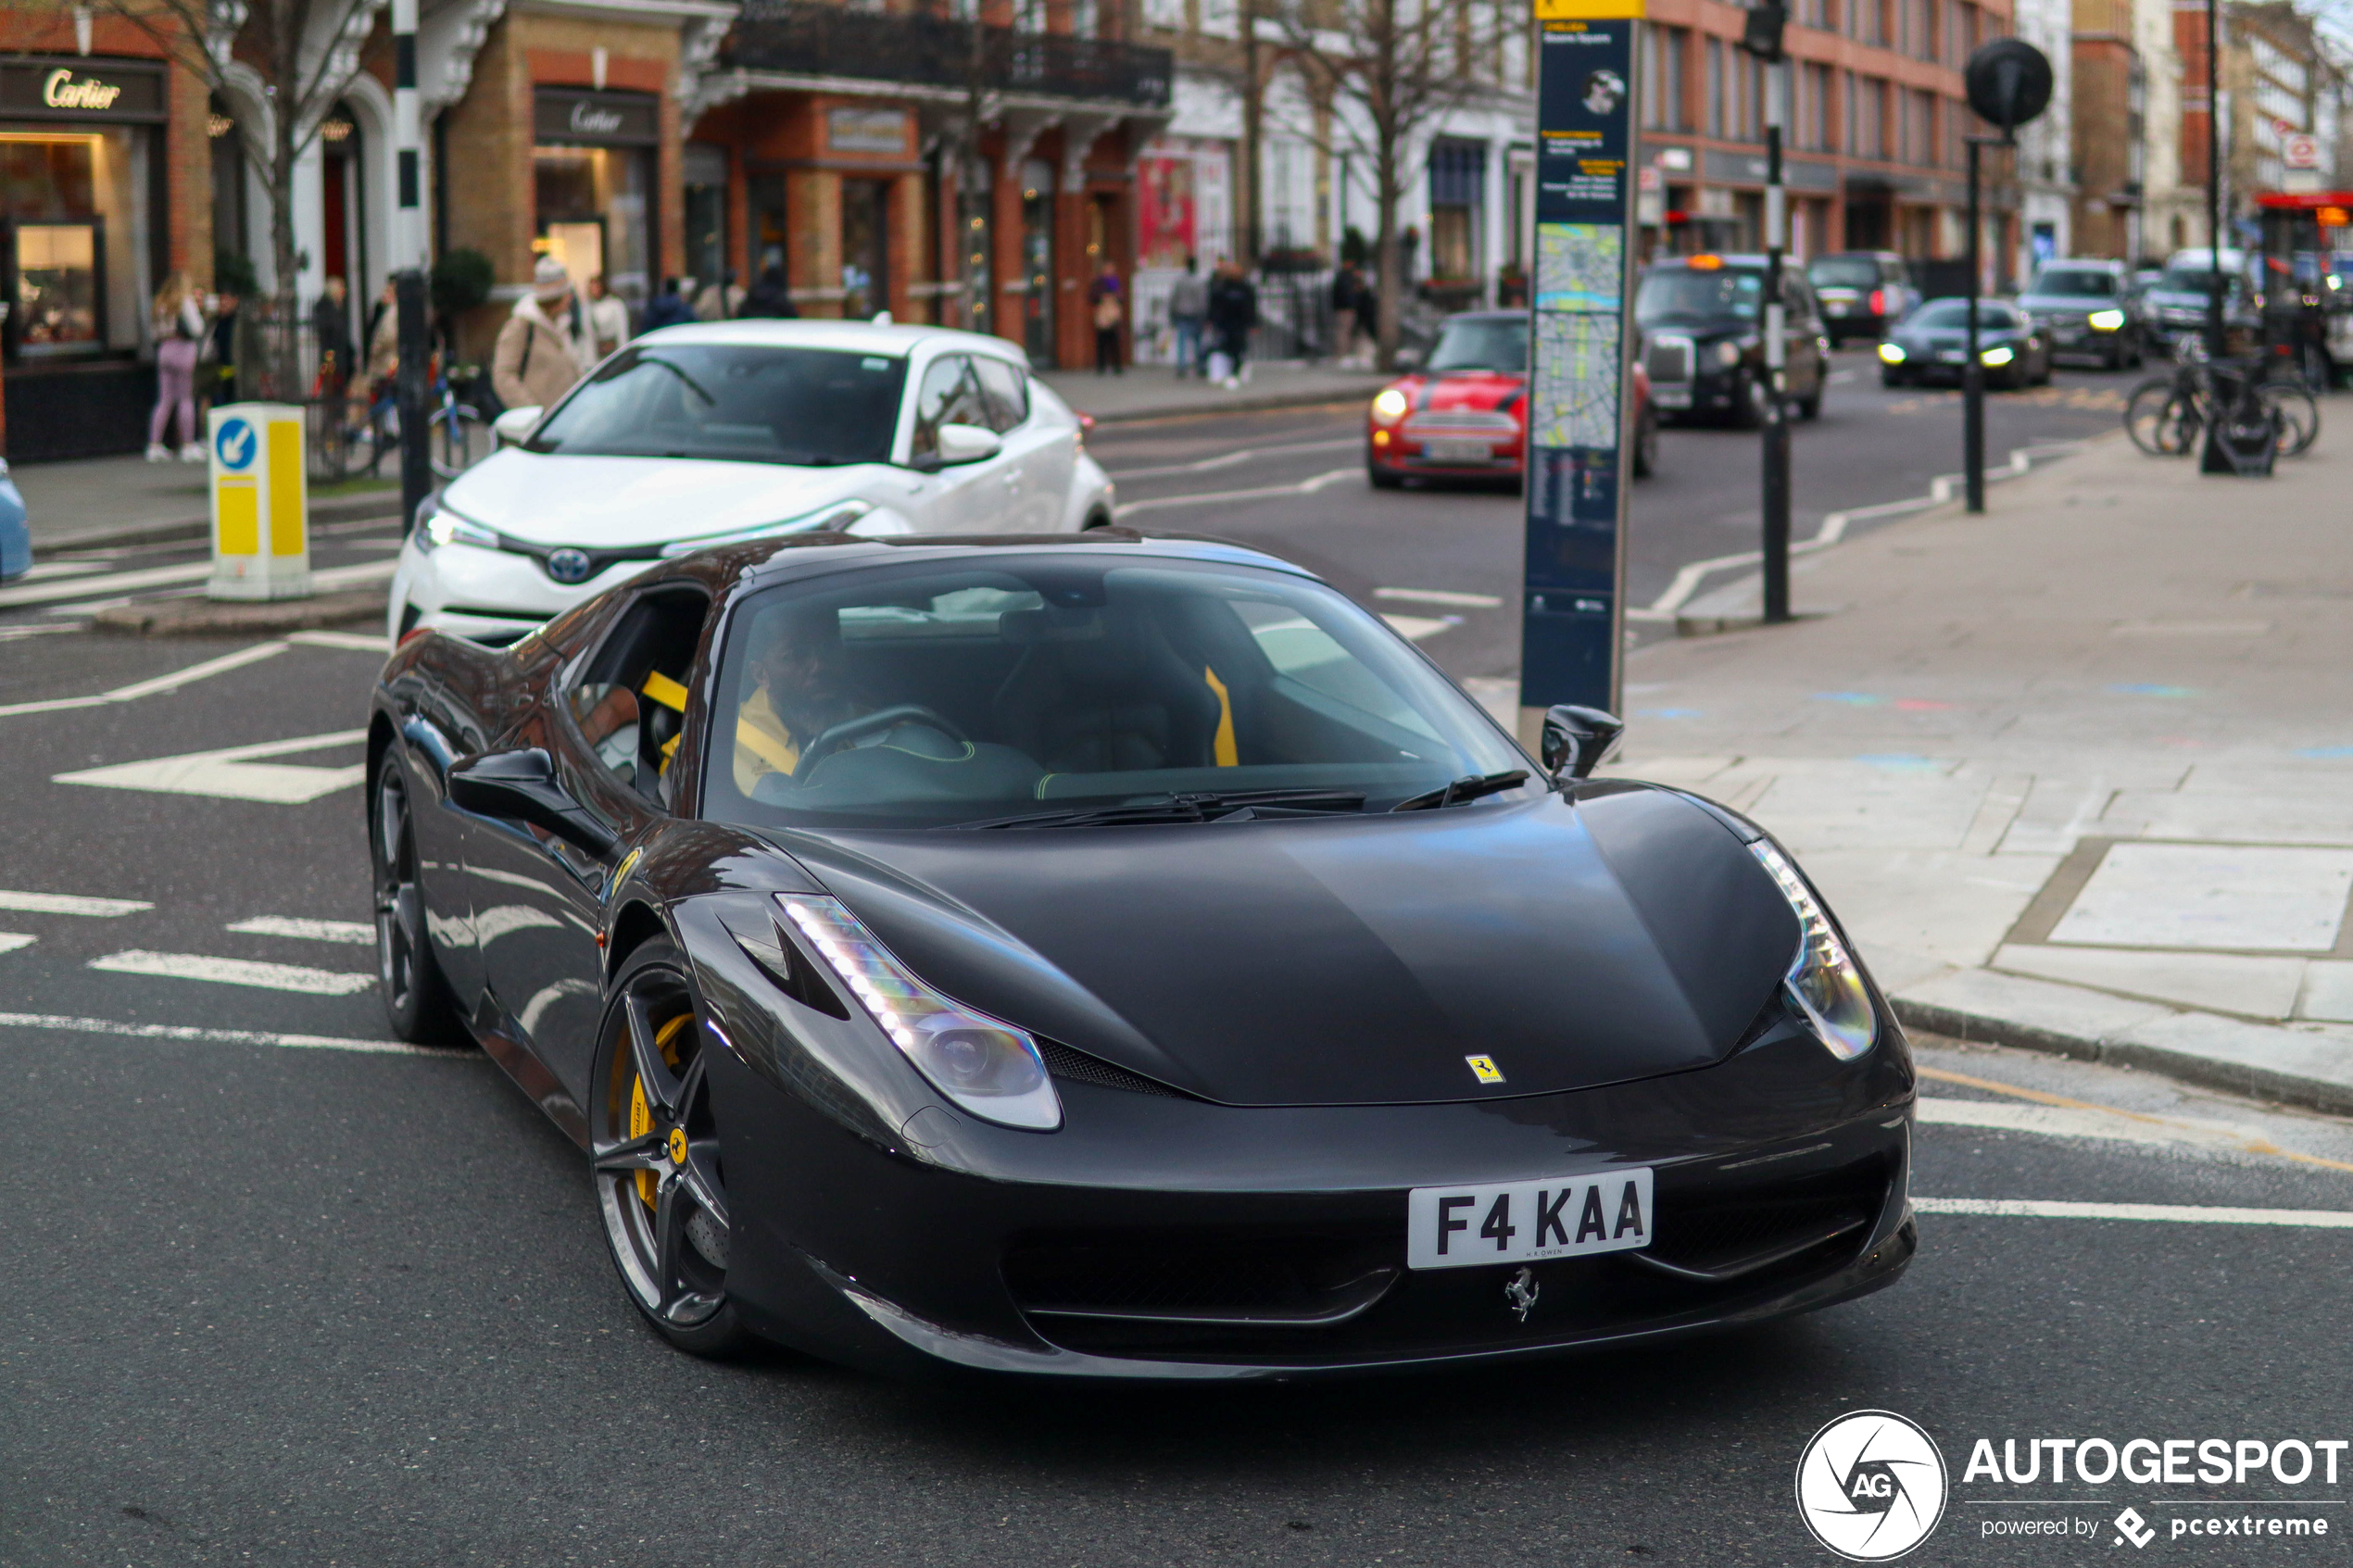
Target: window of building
[(1167, 15), (1457, 206), (1716, 87), (706, 193), (1814, 111), (593, 180), (1663, 49)]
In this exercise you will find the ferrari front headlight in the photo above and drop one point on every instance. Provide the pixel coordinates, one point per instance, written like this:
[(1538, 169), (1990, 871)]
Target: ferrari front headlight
[(989, 1069), (1824, 981)]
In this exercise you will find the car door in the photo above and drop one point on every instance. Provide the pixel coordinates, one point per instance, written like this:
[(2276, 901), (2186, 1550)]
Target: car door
[(964, 497), (604, 722), (1043, 452)]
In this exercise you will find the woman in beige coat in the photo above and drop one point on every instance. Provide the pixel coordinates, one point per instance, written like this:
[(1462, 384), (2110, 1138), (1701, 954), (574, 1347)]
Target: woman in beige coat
[(533, 365)]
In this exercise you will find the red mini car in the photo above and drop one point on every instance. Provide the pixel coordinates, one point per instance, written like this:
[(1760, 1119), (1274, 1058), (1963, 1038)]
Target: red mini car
[(1464, 414)]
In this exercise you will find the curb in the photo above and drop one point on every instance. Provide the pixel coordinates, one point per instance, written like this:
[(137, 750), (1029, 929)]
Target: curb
[(2286, 1066), (351, 509), (210, 618)]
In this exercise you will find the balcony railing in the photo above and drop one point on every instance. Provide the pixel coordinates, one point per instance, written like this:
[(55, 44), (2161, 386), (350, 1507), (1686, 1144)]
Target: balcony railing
[(822, 40)]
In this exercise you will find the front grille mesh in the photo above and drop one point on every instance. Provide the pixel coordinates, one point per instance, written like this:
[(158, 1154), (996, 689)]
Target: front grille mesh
[(1078, 1067), (1669, 359)]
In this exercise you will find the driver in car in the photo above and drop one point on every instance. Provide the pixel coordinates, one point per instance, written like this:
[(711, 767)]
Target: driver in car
[(803, 691)]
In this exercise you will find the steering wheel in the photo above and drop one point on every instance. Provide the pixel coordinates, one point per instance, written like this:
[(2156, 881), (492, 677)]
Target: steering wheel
[(842, 734)]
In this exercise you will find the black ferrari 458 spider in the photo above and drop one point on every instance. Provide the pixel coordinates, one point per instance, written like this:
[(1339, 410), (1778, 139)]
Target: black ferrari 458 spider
[(1119, 957)]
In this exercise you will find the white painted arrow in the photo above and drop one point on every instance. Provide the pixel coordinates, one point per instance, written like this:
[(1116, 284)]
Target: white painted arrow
[(231, 774)]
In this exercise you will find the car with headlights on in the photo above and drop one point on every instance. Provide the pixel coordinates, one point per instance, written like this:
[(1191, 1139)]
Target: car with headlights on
[(732, 430), (1463, 412), (1702, 321), (2088, 309), (1111, 957), (1932, 345), (2176, 302)]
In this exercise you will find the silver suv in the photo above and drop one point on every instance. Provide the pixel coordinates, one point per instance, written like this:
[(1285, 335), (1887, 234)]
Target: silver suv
[(2089, 309)]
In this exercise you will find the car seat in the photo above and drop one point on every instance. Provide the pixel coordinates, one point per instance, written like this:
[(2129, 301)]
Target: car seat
[(1101, 690)]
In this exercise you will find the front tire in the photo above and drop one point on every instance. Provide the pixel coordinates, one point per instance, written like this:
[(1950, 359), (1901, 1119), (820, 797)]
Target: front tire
[(416, 998), (659, 1175)]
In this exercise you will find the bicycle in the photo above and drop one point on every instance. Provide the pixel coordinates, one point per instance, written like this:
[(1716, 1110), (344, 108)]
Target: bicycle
[(451, 428), (2168, 414)]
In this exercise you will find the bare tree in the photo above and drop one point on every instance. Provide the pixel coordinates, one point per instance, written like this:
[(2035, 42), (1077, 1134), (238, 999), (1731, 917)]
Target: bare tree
[(1380, 74), (306, 53)]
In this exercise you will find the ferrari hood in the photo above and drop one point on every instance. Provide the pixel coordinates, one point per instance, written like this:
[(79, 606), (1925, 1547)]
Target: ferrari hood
[(612, 503), (1353, 961)]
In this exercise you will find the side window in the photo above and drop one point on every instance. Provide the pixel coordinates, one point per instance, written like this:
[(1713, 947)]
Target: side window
[(1006, 388), (629, 700), (949, 395)]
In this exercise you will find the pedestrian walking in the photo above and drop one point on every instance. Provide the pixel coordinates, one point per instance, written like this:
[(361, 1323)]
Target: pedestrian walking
[(1233, 311), (533, 363), (608, 317), (179, 333), (1110, 310), (1348, 287), (770, 298), (1188, 312), (222, 351), (721, 300), (668, 308), (331, 336)]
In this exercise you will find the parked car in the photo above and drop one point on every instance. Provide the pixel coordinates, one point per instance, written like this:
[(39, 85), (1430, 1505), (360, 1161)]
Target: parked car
[(741, 429), (1702, 321), (1115, 959), (1462, 413), (1863, 293), (15, 531), (2176, 302), (1933, 346), (2089, 309)]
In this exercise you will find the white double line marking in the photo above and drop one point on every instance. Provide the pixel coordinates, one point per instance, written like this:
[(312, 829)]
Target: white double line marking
[(2189, 1213), (236, 971), (221, 1036)]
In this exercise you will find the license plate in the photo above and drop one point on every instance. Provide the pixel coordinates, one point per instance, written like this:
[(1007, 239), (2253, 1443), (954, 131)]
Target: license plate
[(1953, 355), (1838, 307), (1464, 1227), (1457, 452), (1671, 396)]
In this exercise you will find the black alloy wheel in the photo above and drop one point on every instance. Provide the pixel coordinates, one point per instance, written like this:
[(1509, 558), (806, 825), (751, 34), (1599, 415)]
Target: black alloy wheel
[(660, 1180), (417, 1001)]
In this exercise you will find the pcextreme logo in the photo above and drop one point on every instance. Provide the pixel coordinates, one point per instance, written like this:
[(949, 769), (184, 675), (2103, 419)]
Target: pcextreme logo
[(1870, 1485)]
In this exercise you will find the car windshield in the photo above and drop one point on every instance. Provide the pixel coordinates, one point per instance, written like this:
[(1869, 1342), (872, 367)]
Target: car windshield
[(1679, 293), (1845, 272), (1955, 313), (808, 407), (1048, 687), (1490, 344), (2187, 280), (2073, 282)]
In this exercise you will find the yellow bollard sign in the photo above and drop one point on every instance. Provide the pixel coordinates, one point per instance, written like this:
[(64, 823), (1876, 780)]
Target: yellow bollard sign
[(260, 503)]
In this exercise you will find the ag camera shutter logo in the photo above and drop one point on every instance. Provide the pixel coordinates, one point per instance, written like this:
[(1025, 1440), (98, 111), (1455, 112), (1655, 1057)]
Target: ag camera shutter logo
[(1870, 1485)]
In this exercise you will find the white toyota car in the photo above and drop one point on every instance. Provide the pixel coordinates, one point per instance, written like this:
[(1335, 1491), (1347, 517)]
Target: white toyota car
[(734, 429)]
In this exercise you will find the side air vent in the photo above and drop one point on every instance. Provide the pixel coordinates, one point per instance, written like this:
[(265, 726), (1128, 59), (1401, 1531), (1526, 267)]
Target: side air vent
[(1078, 1067)]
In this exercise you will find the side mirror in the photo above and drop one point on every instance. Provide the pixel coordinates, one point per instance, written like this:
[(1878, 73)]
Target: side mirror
[(520, 786), (515, 424), (1578, 739), (967, 444)]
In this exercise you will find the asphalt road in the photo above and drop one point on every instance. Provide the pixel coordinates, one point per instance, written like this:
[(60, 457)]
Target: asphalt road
[(277, 1301), (1298, 489)]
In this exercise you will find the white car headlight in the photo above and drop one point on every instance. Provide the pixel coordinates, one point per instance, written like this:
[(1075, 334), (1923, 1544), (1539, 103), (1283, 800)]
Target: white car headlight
[(1998, 356), (449, 528), (992, 1070), (1823, 979), (2105, 320), (834, 517), (1891, 353)]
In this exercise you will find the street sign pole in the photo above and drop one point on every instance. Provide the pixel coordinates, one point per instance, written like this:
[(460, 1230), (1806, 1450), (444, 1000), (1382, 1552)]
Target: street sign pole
[(1572, 627), (1972, 368), (409, 260), (2009, 83)]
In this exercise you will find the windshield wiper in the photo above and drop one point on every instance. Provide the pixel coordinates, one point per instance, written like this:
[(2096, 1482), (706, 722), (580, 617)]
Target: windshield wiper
[(1470, 787), (1193, 806)]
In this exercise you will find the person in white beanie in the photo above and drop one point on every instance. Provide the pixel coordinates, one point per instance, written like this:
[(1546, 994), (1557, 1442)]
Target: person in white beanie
[(536, 359)]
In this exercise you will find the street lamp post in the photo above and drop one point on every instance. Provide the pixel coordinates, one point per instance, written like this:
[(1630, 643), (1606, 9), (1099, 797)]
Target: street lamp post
[(2008, 82), (1763, 39), (408, 258)]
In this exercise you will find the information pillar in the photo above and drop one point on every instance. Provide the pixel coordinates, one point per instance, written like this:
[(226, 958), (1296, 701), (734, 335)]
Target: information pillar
[(1580, 401)]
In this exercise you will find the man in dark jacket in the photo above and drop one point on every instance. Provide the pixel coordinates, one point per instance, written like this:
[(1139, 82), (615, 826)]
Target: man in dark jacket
[(1233, 311), (668, 308), (768, 297)]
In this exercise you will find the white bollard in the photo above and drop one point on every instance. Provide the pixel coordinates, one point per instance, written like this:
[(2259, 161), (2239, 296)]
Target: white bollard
[(260, 503)]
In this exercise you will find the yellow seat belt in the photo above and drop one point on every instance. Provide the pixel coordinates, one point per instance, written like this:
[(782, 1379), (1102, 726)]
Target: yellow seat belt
[(661, 689), (1223, 748)]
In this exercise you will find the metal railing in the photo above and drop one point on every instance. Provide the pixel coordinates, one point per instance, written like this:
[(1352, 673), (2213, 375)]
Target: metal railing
[(822, 40)]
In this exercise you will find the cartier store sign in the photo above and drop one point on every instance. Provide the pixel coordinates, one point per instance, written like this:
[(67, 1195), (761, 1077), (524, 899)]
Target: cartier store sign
[(596, 119), (81, 89)]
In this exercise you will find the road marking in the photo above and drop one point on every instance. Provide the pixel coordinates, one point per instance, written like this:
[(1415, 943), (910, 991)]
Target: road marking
[(70, 904), (138, 689), (11, 940), (11, 633), (43, 572), (350, 933), (230, 775), (2183, 1213), (111, 583), (1304, 487), (236, 971), (356, 641), (330, 580), (223, 1036), (1439, 596), (1229, 459), (1413, 628), (2245, 1143)]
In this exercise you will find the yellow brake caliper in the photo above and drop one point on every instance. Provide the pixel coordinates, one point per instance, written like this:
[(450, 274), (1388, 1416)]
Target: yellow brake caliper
[(641, 1115)]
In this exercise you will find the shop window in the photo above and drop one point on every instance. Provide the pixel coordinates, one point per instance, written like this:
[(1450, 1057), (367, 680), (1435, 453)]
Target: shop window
[(866, 248), (594, 202), (75, 239), (1038, 261), (57, 266), (771, 237)]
